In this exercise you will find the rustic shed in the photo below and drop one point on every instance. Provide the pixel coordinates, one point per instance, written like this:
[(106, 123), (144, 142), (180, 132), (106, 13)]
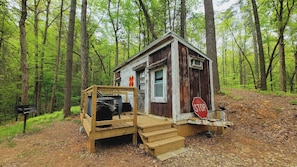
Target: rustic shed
[(162, 80), (168, 73)]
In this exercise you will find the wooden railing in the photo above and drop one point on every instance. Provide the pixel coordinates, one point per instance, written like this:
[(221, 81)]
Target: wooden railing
[(90, 123)]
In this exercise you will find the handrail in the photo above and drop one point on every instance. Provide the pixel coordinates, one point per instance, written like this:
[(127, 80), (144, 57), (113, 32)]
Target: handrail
[(93, 90)]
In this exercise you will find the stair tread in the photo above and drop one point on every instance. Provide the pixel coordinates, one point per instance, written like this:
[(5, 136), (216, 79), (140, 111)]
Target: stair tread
[(164, 141), (155, 124), (158, 132)]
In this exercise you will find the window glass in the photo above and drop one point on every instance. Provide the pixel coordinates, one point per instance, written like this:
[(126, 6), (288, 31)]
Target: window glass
[(141, 83), (158, 85)]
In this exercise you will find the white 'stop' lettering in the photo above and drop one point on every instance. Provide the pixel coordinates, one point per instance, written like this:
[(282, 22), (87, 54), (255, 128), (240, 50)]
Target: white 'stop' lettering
[(200, 107)]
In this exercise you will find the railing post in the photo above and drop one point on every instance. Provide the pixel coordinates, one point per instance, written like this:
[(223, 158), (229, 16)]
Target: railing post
[(135, 107), (93, 120)]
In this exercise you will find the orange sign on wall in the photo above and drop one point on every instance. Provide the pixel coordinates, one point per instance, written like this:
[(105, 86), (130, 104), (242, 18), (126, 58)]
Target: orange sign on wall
[(131, 80)]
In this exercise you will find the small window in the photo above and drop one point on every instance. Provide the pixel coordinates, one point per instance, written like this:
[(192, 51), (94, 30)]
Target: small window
[(195, 62), (159, 80)]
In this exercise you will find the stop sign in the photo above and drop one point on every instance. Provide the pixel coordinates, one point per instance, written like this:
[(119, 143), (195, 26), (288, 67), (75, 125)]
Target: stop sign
[(200, 107)]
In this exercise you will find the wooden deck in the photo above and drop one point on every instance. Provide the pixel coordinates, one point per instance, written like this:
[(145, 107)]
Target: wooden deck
[(107, 128), (158, 135)]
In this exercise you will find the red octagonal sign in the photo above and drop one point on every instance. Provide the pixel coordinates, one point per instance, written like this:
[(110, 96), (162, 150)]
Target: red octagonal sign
[(200, 107)]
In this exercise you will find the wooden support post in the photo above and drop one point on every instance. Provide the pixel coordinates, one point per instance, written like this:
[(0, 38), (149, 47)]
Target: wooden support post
[(93, 120), (135, 107), (220, 115), (92, 145)]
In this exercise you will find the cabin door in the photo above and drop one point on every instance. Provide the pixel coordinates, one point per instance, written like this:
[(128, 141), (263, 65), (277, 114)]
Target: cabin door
[(140, 78)]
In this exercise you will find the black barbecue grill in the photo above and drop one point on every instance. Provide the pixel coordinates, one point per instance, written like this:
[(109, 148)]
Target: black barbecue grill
[(25, 110)]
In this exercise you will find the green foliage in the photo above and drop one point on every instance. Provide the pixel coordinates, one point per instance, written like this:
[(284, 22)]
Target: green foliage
[(10, 130), (224, 92), (75, 110), (75, 100), (33, 125), (234, 23), (47, 118), (274, 93), (293, 102), (11, 144)]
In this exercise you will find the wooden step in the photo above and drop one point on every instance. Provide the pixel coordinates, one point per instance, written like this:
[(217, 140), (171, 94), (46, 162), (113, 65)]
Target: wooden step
[(155, 127), (159, 147), (159, 135)]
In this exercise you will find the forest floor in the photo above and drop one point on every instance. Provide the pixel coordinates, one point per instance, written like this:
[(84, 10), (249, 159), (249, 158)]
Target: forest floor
[(264, 134)]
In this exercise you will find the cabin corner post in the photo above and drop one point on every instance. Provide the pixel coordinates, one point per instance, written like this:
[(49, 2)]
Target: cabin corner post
[(135, 106), (211, 86), (175, 81)]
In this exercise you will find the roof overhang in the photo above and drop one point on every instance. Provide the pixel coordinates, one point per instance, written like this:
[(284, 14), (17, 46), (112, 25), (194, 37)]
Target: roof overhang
[(167, 37)]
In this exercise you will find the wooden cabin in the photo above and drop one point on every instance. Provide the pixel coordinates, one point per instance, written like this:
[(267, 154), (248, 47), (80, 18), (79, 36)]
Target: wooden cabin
[(169, 73), (160, 82)]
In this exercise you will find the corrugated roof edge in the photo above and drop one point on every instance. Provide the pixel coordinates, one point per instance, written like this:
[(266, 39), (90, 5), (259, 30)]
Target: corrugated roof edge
[(168, 34)]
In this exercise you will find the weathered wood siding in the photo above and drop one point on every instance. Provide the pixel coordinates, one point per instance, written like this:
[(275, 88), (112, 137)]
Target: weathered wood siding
[(200, 82), (163, 109), (185, 100)]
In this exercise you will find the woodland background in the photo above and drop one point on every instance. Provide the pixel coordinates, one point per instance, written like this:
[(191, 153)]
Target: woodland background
[(252, 52)]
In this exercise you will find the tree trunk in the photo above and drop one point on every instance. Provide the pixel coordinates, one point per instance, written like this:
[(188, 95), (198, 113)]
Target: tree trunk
[(140, 30), (24, 64), (260, 47), (54, 88), (183, 17), (281, 48), (84, 48), (164, 3), (174, 15), (281, 9), (115, 26), (68, 72), (44, 41), (36, 55), (255, 46), (292, 83), (282, 62), (295, 56), (211, 48), (148, 20), (169, 14), (223, 65), (240, 68), (242, 53)]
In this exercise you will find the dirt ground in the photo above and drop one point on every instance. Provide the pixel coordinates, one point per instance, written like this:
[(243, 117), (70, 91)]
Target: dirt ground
[(264, 134)]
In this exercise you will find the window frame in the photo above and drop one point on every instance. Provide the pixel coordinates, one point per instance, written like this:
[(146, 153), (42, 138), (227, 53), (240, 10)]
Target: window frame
[(154, 98), (192, 62)]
